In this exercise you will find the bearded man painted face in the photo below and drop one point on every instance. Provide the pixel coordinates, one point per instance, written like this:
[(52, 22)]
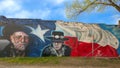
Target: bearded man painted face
[(20, 40)]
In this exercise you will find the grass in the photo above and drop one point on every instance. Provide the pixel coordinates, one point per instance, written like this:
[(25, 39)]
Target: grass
[(66, 61), (31, 60)]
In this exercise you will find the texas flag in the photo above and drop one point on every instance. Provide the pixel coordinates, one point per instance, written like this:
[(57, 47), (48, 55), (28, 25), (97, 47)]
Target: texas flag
[(86, 40), (84, 49)]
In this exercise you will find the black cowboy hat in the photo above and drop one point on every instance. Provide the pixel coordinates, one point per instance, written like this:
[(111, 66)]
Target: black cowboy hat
[(11, 28), (57, 36)]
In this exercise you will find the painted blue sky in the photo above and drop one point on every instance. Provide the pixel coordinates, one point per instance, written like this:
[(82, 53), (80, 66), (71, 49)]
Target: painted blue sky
[(53, 10)]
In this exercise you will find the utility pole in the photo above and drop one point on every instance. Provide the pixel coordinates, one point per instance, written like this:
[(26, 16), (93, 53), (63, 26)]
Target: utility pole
[(92, 45)]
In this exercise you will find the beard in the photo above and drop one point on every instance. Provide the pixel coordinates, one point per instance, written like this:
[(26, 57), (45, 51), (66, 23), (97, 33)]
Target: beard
[(20, 46)]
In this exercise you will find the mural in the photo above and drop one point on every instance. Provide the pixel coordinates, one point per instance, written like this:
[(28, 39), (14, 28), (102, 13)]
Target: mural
[(43, 38)]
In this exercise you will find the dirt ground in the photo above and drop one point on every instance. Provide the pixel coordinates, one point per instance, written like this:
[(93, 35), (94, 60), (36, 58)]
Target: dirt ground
[(69, 63), (55, 66), (37, 66)]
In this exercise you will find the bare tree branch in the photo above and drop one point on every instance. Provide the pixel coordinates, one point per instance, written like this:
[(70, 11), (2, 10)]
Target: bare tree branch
[(103, 3), (87, 7), (114, 5), (92, 4)]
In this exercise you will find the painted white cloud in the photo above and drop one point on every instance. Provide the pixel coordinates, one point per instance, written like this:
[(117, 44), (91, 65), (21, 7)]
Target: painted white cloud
[(9, 6), (15, 9), (59, 1), (31, 14), (55, 2)]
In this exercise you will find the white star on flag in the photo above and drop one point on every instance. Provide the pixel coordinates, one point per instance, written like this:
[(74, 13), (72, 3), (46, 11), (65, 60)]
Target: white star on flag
[(39, 32)]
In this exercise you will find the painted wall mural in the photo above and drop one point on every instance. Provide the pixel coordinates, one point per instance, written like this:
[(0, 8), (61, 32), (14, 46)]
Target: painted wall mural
[(43, 38)]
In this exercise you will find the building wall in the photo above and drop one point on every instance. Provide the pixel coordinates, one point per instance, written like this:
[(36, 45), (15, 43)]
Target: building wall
[(84, 40)]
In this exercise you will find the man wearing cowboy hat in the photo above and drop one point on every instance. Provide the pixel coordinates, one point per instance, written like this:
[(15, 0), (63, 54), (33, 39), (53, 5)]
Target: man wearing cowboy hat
[(19, 40), (57, 48)]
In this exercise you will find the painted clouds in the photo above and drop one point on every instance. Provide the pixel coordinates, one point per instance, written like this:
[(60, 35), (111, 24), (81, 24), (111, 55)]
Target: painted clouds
[(44, 9)]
